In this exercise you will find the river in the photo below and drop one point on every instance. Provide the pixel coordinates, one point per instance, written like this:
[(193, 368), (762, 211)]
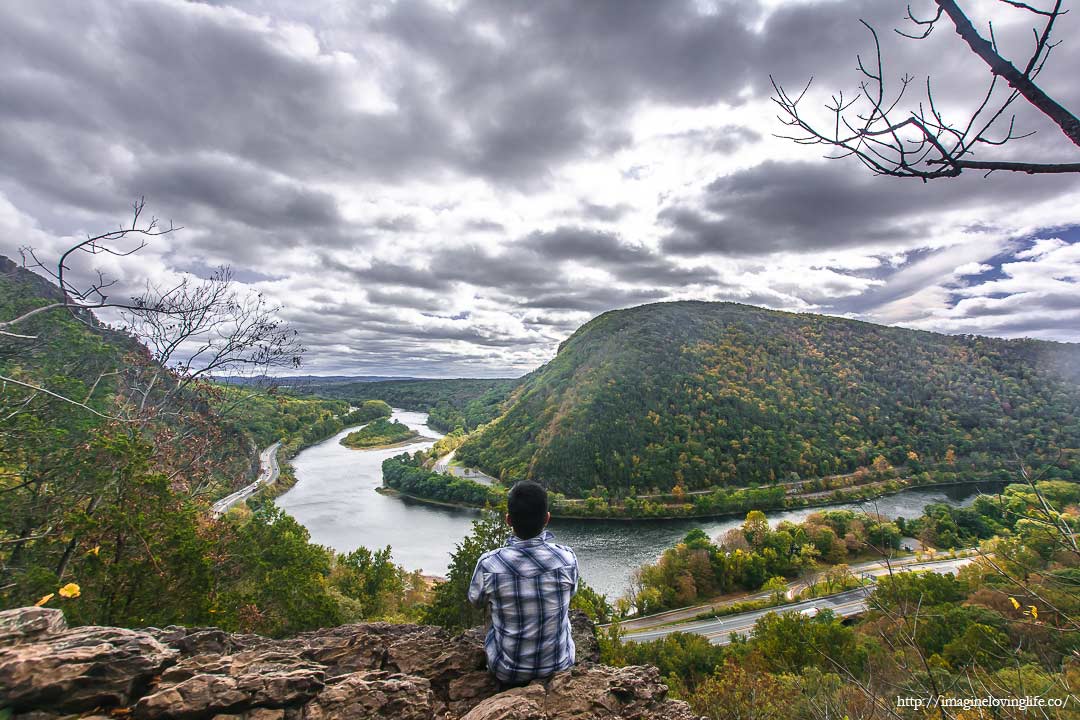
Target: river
[(335, 499)]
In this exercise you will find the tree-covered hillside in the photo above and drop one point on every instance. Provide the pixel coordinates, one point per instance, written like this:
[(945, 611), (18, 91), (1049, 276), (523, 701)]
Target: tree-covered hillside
[(695, 395), (108, 464)]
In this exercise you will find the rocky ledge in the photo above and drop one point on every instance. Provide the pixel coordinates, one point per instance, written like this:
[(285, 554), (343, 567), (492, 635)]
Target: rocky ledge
[(369, 670)]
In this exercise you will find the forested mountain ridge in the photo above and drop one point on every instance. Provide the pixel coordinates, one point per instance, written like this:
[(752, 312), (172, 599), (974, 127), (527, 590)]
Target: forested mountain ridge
[(71, 353), (696, 395), (78, 344)]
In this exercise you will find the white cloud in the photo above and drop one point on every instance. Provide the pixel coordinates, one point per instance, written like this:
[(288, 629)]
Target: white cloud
[(971, 268)]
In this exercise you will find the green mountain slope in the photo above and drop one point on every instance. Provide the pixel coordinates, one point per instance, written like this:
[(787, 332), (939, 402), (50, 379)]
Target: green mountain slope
[(71, 350), (72, 353), (702, 394)]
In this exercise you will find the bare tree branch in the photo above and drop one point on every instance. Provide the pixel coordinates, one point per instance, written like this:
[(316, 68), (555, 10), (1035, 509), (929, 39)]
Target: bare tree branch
[(921, 142), (1021, 81), (194, 329), (93, 296)]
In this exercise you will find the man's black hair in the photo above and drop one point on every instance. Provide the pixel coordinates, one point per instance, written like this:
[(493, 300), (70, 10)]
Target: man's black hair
[(527, 505)]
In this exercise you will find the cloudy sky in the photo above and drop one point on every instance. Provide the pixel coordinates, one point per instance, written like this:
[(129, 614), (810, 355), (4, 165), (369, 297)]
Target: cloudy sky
[(450, 188)]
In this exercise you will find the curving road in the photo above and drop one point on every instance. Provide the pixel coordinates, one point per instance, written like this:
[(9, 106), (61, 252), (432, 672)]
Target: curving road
[(268, 473), (845, 604)]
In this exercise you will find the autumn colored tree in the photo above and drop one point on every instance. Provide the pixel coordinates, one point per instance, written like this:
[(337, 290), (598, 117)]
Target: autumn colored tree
[(738, 692)]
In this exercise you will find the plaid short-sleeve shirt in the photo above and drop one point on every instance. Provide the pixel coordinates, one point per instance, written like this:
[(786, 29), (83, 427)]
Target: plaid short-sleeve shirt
[(529, 584)]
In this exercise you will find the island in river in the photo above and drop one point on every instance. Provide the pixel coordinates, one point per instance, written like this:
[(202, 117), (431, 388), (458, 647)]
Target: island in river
[(382, 433)]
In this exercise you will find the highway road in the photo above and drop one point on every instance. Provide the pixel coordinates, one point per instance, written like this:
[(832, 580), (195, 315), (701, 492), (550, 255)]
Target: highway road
[(719, 630), (268, 474), (845, 604), (875, 568)]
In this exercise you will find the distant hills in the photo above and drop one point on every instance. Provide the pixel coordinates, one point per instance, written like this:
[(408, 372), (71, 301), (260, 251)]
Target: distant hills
[(452, 404), (300, 381), (697, 395)]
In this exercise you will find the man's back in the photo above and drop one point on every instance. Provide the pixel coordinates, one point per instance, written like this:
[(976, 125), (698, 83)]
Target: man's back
[(529, 584)]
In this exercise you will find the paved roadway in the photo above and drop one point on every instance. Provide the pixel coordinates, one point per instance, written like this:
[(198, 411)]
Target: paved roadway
[(442, 465), (268, 473), (719, 630), (444, 462), (877, 568), (870, 567), (845, 604)]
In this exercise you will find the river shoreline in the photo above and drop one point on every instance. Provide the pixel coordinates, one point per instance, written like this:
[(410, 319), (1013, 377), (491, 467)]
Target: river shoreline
[(391, 492), (337, 499), (555, 515)]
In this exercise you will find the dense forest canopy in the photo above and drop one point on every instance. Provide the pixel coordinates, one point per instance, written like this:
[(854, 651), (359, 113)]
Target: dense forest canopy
[(271, 416), (697, 395)]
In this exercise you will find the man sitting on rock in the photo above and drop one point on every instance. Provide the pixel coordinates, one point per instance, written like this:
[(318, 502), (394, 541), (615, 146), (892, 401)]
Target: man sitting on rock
[(528, 583)]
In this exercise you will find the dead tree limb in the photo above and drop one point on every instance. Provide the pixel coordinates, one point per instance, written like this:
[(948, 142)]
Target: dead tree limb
[(92, 296), (920, 141)]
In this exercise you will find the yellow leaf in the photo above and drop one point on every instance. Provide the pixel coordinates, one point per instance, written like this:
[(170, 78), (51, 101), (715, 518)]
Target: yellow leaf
[(44, 600), (71, 590), (95, 551), (1034, 612), (1016, 605)]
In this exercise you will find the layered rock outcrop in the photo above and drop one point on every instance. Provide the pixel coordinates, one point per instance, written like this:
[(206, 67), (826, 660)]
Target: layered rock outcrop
[(370, 670)]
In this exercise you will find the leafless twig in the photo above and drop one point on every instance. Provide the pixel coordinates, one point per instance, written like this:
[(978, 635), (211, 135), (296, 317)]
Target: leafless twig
[(920, 142)]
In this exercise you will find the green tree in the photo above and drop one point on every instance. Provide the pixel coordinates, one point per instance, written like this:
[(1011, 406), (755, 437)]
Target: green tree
[(371, 579), (907, 590), (777, 586), (791, 641), (591, 603), (275, 582), (450, 607), (756, 529)]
